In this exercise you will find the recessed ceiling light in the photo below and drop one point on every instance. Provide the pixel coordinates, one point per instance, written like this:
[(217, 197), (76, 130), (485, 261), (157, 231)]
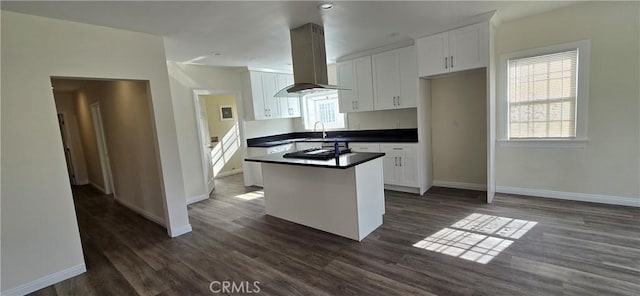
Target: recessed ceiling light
[(325, 5)]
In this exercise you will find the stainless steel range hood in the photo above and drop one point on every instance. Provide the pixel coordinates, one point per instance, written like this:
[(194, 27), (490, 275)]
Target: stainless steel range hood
[(309, 62)]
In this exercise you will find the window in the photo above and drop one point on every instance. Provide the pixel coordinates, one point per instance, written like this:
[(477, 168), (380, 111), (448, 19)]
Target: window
[(323, 107), (546, 92)]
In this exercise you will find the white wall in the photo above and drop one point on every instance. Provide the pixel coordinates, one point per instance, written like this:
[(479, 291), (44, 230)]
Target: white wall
[(65, 104), (186, 78), (39, 228), (609, 165), (459, 135)]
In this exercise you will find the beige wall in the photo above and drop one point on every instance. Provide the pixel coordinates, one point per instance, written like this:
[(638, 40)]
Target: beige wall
[(65, 103), (459, 135), (609, 165), (385, 119), (186, 78), (219, 128), (39, 228), (128, 127), (88, 139)]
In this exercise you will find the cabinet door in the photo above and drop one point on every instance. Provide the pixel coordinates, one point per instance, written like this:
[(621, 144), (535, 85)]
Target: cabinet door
[(269, 89), (466, 47), (390, 167), (387, 79), (433, 55), (282, 82), (409, 170), (257, 96), (345, 77), (409, 80), (363, 77)]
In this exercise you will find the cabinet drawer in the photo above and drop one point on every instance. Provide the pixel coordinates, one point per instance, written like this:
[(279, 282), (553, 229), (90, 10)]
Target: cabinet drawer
[(399, 148), (364, 147)]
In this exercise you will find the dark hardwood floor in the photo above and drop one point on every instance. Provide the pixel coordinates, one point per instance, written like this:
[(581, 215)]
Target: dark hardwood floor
[(514, 246)]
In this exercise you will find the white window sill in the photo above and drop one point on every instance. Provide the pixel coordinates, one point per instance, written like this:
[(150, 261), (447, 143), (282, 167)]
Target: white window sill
[(545, 143)]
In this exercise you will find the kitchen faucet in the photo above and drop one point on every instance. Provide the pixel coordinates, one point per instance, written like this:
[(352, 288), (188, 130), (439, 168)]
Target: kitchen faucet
[(324, 134)]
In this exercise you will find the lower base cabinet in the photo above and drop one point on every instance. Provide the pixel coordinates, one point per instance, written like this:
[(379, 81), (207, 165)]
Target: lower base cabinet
[(400, 162), (255, 168)]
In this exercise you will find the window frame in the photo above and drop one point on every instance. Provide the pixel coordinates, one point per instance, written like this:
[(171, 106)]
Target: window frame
[(305, 114), (582, 97)]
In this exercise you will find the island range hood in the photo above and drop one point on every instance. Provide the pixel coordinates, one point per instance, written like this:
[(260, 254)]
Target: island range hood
[(309, 62)]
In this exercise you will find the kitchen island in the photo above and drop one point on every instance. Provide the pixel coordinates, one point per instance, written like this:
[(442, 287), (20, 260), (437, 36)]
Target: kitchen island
[(343, 196)]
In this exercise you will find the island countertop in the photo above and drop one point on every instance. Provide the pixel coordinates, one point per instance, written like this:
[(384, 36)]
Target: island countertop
[(343, 162)]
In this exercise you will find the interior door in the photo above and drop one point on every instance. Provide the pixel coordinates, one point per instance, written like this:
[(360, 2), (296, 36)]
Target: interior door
[(105, 162), (207, 146), (67, 150)]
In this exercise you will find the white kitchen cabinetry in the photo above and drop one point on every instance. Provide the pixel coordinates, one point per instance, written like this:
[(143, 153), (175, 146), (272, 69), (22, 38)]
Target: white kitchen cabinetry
[(255, 168), (395, 79), (355, 75), (364, 147), (456, 50), (289, 106), (400, 164), (259, 90)]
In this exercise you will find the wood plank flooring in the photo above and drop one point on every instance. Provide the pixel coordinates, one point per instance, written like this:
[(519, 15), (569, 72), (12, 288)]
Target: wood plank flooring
[(574, 249)]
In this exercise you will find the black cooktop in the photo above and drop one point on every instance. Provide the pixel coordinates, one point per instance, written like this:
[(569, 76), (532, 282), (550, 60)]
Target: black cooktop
[(316, 153)]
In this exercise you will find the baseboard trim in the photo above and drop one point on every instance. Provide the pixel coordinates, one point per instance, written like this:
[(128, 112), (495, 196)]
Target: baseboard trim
[(229, 173), (82, 182), (586, 197), (46, 281), (178, 231), (197, 198), (143, 213), (460, 185), (402, 188), (98, 187)]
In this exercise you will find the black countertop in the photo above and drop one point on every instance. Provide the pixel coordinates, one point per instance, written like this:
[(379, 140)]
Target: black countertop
[(345, 161), (382, 136)]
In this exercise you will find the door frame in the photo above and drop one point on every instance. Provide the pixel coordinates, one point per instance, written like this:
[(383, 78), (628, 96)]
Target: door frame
[(105, 165), (68, 146), (240, 106)]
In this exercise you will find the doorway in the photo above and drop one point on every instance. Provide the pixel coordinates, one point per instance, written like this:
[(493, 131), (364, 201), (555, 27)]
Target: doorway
[(218, 115), (66, 146), (111, 132)]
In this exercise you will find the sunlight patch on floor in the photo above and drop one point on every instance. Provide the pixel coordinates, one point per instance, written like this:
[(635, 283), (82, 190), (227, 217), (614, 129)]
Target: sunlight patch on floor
[(250, 195), (471, 238)]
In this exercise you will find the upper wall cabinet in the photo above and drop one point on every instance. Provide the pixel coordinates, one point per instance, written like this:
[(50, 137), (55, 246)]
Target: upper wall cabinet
[(395, 79), (460, 49), (259, 90), (289, 106), (355, 75)]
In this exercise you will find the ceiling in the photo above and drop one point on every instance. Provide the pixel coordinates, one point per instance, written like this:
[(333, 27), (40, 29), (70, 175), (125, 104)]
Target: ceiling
[(256, 34)]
